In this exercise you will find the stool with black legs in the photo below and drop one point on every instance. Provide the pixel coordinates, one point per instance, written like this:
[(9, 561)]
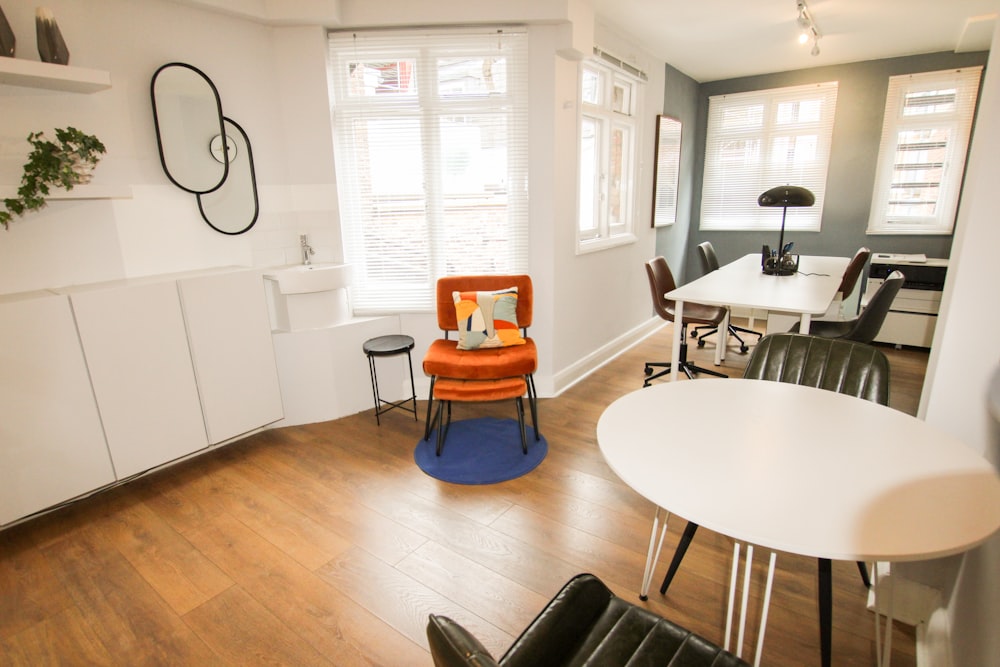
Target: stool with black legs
[(389, 346)]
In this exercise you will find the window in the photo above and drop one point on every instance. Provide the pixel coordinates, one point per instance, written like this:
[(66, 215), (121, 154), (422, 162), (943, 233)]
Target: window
[(759, 140), (921, 158), (430, 132), (608, 137)]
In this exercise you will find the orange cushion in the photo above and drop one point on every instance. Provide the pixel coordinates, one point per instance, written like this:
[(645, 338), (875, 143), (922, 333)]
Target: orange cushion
[(444, 359), (447, 389)]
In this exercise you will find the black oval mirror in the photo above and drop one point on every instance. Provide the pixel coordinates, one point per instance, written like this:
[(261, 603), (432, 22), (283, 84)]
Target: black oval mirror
[(187, 113), (233, 207)]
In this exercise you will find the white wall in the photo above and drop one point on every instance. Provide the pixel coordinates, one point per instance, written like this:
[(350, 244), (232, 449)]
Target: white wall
[(963, 360), (272, 81)]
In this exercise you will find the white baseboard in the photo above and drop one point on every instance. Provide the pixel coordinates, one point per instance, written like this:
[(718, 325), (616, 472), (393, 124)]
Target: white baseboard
[(572, 374)]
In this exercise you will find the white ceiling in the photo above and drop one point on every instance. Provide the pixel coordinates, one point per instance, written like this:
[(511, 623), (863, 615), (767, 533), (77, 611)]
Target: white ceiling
[(711, 40)]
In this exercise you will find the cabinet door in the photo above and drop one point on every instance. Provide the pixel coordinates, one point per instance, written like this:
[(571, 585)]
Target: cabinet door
[(230, 338), (52, 447), (136, 349)]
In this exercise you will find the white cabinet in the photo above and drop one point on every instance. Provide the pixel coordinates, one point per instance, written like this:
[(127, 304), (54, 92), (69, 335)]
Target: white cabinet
[(230, 338), (137, 351), (52, 446)]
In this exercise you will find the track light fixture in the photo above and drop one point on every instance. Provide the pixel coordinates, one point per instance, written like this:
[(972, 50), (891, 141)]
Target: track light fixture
[(808, 30)]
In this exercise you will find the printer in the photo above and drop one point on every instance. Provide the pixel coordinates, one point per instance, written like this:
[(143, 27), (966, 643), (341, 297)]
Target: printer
[(913, 314)]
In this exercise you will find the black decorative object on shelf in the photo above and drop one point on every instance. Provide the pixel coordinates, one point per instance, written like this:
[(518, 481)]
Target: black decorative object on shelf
[(51, 46), (7, 40), (782, 262)]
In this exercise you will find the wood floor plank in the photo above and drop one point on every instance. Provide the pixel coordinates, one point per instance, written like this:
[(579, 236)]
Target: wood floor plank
[(53, 641), (243, 632), (403, 602), (335, 626), (132, 622), (181, 574)]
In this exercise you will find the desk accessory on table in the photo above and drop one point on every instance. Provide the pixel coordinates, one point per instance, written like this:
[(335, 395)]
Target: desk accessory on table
[(783, 264)]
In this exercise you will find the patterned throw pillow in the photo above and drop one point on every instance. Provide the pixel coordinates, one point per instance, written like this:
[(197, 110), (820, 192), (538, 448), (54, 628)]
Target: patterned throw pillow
[(487, 319)]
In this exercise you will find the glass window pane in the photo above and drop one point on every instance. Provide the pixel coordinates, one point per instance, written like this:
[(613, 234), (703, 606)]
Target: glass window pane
[(473, 155), (589, 170), (591, 86), (616, 175), (471, 76), (929, 102), (622, 98), (381, 78)]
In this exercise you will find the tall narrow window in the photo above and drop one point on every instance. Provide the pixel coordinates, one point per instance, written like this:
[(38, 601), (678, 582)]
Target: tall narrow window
[(759, 140), (430, 132), (608, 136), (921, 159)]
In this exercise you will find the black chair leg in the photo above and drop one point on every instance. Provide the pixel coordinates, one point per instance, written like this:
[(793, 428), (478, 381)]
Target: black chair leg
[(863, 569), (687, 367), (682, 547), (520, 423), (825, 610), (430, 403), (533, 404)]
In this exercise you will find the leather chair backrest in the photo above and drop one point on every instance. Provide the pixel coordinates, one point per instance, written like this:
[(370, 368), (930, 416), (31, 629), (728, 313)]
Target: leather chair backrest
[(834, 364), (709, 260), (853, 271), (869, 322), (447, 320), (661, 281)]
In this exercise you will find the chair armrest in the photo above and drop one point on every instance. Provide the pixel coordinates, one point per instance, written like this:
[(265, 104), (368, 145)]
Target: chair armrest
[(453, 646)]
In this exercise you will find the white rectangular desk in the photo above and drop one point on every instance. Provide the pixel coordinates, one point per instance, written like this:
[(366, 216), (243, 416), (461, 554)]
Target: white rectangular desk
[(741, 283)]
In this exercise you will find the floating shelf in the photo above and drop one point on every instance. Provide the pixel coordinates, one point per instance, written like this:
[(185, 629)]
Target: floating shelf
[(35, 74), (79, 192)]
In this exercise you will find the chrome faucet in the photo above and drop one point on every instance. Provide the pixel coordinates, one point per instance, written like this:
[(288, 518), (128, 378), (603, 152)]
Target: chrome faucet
[(306, 249)]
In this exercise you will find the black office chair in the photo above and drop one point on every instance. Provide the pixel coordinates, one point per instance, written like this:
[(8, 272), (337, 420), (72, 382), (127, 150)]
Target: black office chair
[(709, 263), (844, 366), (865, 327), (661, 281)]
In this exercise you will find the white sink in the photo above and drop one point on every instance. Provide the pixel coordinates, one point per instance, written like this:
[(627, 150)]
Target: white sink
[(308, 296), (307, 278)]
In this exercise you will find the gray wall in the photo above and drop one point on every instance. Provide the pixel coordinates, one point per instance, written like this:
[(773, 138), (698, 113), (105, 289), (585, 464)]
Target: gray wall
[(680, 100), (856, 134)]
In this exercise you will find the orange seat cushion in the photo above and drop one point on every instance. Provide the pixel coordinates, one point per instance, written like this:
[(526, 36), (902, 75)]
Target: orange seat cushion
[(444, 359), (447, 389)]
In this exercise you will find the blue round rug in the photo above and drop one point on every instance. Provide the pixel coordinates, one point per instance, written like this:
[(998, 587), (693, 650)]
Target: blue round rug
[(480, 451)]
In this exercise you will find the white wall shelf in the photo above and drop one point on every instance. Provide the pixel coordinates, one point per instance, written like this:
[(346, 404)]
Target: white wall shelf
[(36, 74), (78, 192)]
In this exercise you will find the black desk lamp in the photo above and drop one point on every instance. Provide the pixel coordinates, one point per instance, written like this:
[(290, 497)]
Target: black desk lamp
[(782, 264)]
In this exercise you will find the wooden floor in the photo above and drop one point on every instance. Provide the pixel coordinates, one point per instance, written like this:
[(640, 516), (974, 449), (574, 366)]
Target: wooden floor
[(325, 544)]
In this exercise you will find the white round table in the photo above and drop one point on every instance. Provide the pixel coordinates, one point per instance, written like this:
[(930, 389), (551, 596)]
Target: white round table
[(800, 470)]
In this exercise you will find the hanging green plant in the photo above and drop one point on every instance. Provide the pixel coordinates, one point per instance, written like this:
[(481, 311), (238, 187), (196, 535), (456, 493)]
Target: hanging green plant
[(65, 162)]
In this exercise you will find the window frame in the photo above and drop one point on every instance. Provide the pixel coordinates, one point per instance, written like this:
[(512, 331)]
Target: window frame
[(965, 82), (732, 182), (608, 230), (397, 255)]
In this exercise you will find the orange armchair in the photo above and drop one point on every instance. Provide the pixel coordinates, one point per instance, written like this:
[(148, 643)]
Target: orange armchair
[(445, 360)]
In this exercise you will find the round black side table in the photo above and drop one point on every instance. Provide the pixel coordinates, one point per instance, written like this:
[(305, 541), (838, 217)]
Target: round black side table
[(390, 346)]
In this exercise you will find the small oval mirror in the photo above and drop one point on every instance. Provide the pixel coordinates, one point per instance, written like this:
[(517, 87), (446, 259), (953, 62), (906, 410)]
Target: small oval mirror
[(233, 207), (187, 113)]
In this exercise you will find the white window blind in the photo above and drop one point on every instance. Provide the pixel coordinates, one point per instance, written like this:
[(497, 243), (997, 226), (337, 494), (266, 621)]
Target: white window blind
[(921, 158), (760, 140), (430, 133)]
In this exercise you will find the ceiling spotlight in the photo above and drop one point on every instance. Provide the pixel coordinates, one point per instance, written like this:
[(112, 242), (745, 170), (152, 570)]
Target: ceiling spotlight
[(807, 24)]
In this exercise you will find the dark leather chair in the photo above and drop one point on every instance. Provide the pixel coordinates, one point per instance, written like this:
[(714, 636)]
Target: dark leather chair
[(853, 272), (865, 326), (661, 281), (843, 366), (584, 624), (709, 263)]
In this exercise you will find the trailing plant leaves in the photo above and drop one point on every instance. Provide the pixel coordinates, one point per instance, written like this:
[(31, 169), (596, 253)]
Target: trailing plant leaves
[(66, 162)]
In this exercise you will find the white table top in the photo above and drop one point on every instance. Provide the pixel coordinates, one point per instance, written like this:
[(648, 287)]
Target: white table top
[(801, 470), (741, 283)]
